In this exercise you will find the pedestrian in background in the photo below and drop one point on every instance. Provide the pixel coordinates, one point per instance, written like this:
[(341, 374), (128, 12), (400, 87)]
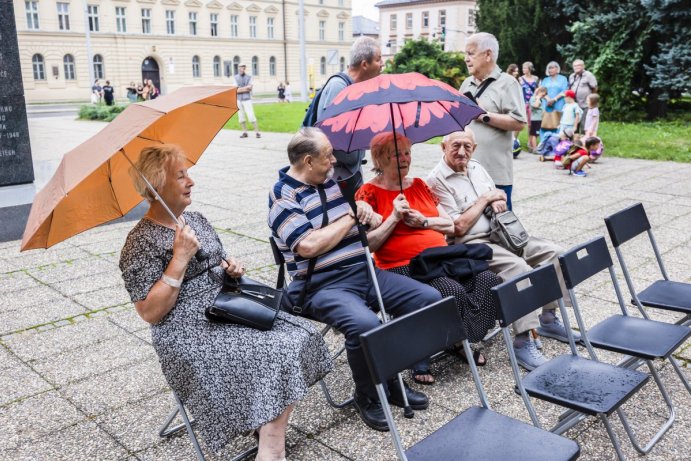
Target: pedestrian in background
[(244, 84), (108, 93), (583, 83)]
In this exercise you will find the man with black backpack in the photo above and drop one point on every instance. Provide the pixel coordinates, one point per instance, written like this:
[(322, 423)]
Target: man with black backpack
[(365, 63)]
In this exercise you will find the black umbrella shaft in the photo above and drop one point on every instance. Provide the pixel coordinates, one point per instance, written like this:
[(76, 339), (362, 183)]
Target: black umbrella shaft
[(395, 146)]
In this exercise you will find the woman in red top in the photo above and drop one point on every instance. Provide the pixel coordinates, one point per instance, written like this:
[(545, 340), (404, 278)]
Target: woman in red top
[(413, 222)]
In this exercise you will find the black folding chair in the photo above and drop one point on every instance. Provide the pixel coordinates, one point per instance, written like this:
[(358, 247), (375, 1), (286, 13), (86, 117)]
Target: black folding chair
[(637, 337), (587, 386), (388, 349), (281, 282), (187, 422), (663, 294)]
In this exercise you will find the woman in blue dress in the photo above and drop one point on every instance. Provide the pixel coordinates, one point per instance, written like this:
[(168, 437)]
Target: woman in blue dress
[(556, 85)]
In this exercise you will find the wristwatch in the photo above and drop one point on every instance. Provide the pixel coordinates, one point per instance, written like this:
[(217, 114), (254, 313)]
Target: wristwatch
[(425, 223), (485, 118), (170, 281)]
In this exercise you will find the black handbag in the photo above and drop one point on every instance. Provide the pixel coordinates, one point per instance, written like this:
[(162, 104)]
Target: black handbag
[(246, 302)]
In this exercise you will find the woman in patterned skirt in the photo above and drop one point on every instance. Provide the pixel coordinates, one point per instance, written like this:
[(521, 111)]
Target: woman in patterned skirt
[(232, 378), (413, 222)]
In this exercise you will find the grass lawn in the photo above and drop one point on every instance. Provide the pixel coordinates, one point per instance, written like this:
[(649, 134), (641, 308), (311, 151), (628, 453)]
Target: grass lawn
[(663, 140)]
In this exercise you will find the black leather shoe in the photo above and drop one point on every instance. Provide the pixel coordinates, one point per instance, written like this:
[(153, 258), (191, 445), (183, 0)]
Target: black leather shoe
[(370, 411), (416, 399)]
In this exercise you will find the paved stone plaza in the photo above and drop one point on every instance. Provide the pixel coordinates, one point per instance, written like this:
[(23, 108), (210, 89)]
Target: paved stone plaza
[(80, 380)]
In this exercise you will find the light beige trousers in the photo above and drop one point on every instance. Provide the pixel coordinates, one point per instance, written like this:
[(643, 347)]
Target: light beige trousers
[(507, 265)]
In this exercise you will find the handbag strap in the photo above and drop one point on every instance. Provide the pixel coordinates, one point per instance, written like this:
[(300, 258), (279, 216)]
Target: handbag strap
[(297, 308), (483, 86)]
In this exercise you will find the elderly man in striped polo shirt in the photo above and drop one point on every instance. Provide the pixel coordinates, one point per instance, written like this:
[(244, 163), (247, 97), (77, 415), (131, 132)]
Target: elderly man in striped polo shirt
[(340, 292)]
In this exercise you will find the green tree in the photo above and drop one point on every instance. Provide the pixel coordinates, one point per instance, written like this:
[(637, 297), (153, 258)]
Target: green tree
[(640, 51), (428, 58)]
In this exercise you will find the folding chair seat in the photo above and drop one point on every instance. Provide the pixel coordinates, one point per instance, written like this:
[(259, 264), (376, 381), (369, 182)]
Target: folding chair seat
[(282, 283), (638, 337), (586, 386), (662, 294), (168, 431), (476, 434)]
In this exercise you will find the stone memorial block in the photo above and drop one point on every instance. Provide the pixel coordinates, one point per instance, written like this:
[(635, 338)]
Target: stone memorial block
[(16, 166)]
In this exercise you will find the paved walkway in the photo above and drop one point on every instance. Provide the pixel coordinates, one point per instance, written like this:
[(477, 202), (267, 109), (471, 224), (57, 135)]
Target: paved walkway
[(80, 380)]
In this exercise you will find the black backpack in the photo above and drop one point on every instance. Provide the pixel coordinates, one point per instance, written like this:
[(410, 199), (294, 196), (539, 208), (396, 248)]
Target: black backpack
[(311, 113)]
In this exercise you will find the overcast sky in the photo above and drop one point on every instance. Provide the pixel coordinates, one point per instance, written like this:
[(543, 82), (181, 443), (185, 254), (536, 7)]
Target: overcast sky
[(366, 8)]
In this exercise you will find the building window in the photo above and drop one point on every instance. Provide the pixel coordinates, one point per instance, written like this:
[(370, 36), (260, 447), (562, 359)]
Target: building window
[(409, 20), (99, 70), (425, 19), (272, 66), (64, 16), (196, 71), (32, 20), (217, 66), (213, 20), (322, 30), (170, 22), (253, 27), (120, 19), (322, 65), (270, 27), (340, 2), (92, 12), (146, 20), (341, 31), (192, 15), (471, 18), (442, 18), (321, 2), (234, 26), (342, 65), (68, 64), (255, 66), (236, 65), (393, 22), (39, 67)]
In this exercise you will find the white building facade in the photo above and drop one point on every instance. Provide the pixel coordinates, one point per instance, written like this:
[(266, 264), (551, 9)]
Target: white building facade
[(175, 43), (449, 21)]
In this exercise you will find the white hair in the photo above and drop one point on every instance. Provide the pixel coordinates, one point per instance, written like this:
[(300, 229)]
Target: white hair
[(466, 130), (578, 61), (363, 49), (552, 64), (485, 41)]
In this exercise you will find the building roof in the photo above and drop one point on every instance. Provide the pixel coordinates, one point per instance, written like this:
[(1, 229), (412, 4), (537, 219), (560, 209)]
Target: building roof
[(386, 3), (365, 26)]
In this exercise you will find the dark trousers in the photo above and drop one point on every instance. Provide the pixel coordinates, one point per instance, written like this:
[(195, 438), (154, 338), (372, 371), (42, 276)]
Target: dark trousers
[(508, 190), (341, 298)]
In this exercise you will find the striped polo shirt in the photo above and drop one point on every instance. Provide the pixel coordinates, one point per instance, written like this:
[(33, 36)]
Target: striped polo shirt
[(295, 210)]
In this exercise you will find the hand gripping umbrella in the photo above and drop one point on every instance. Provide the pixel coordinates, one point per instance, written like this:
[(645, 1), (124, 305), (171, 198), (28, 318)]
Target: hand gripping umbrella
[(411, 104), (92, 185)]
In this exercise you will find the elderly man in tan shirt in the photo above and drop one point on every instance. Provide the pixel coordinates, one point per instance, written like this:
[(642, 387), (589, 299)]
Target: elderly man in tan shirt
[(465, 190), (500, 95)]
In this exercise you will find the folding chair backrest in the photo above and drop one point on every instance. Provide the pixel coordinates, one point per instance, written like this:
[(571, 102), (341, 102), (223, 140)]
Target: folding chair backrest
[(404, 341), (524, 294), (585, 260), (280, 262), (627, 223)]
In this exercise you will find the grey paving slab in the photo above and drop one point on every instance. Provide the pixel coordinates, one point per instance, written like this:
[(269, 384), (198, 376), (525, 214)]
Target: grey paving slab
[(19, 381), (50, 310), (105, 297), (65, 271), (91, 282), (17, 281), (128, 319)]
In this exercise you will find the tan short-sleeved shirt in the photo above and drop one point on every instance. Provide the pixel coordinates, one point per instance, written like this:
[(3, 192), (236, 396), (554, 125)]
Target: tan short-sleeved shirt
[(583, 85), (494, 146), (459, 191)]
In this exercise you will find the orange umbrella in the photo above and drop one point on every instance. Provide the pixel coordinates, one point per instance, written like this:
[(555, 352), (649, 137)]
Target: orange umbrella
[(92, 186)]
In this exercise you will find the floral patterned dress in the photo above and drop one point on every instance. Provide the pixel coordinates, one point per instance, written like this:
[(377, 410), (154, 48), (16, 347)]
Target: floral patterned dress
[(232, 378)]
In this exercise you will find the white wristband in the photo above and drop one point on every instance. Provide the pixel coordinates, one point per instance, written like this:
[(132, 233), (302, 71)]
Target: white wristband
[(170, 281)]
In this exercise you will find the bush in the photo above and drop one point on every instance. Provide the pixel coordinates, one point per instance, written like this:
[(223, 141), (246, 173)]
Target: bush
[(99, 112)]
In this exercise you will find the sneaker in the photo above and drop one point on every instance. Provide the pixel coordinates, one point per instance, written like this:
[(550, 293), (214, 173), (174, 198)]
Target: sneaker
[(528, 356), (243, 135), (556, 330), (259, 135), (580, 173)]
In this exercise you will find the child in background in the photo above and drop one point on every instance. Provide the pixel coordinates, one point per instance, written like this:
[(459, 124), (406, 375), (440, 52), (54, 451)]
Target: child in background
[(575, 159), (566, 138), (571, 113), (594, 147), (535, 117), (592, 117)]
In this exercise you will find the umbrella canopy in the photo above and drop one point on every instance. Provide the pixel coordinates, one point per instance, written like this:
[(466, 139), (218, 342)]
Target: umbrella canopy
[(92, 185), (420, 108)]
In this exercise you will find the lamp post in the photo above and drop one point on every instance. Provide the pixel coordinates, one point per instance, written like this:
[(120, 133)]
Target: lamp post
[(89, 53), (303, 58)]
